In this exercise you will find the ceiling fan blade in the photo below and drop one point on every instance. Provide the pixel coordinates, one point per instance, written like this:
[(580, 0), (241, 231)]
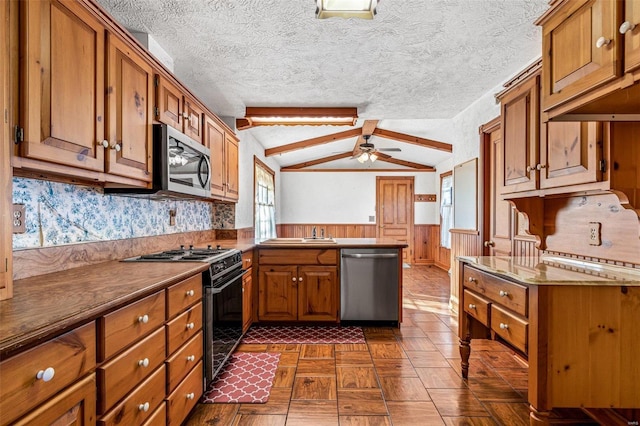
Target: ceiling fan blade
[(382, 155), (390, 149)]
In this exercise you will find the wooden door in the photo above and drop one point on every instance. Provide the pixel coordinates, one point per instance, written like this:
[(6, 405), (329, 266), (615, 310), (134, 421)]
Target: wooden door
[(6, 218), (129, 112), (214, 140), (192, 119), (317, 293), (499, 232), (247, 301), (168, 103), (62, 96), (570, 153), (394, 210), (520, 125), (572, 61), (231, 167), (278, 293), (632, 37)]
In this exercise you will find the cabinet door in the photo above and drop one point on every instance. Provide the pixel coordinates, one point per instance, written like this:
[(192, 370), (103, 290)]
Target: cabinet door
[(6, 283), (278, 293), (317, 293), (168, 103), (192, 119), (247, 301), (62, 72), (129, 109), (214, 140), (572, 61), (500, 211), (231, 166), (570, 153), (520, 126), (632, 37)]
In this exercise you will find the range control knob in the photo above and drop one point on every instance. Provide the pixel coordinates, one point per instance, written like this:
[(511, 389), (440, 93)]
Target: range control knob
[(181, 246), (209, 247), (218, 247), (190, 246)]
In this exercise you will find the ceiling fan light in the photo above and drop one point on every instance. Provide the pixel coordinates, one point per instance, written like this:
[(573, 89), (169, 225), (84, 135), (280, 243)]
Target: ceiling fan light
[(373, 157), (363, 157), (363, 9)]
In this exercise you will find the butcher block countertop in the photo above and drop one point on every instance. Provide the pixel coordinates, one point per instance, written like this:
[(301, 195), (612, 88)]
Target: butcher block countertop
[(555, 270)]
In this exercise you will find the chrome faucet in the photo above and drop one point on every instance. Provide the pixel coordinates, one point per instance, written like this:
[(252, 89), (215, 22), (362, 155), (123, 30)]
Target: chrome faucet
[(322, 233), (313, 232)]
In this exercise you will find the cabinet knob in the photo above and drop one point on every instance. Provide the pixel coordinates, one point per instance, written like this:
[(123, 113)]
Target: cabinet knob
[(532, 168), (471, 280), (489, 244), (626, 26), (191, 358), (602, 41), (185, 116), (472, 306), (190, 293), (143, 407), (143, 319), (504, 326), (190, 326), (117, 147), (191, 395), (541, 166), (300, 279), (503, 293), (143, 362), (294, 279), (46, 375), (104, 143)]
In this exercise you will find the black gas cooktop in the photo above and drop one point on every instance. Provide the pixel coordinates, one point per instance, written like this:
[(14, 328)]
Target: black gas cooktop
[(209, 254)]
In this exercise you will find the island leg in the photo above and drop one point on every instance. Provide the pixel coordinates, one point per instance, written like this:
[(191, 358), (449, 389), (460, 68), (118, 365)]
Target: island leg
[(538, 417), (465, 353)]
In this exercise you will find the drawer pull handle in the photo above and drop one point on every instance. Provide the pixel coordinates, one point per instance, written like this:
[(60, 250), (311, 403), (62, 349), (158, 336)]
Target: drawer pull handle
[(143, 407), (504, 326), (191, 358), (472, 306), (190, 326), (191, 395), (143, 319), (143, 362), (46, 375), (503, 293), (190, 293), (471, 280)]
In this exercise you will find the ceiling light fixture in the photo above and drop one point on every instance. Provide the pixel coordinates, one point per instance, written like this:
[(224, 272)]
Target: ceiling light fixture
[(363, 9), (275, 116), (365, 156)]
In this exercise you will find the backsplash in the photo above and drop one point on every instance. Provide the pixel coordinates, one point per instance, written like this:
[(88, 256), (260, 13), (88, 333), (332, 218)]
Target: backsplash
[(58, 213)]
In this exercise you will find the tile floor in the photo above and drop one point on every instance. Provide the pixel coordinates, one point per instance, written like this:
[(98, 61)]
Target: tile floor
[(405, 376)]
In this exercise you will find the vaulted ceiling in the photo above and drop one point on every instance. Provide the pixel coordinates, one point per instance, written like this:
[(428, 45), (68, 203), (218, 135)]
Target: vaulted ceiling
[(412, 68)]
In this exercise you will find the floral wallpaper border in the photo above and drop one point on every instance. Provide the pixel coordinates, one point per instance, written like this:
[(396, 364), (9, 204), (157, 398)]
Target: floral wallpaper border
[(58, 213)]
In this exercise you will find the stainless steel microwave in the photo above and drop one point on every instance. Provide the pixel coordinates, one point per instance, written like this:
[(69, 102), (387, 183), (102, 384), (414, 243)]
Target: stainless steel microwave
[(181, 167)]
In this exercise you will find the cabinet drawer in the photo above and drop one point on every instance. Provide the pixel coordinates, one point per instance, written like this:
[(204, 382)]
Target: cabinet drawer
[(183, 361), (181, 401), (511, 328), (119, 329), (506, 293), (69, 357), (75, 405), (298, 257), (118, 376), (159, 417), (477, 306), (183, 327), (150, 394), (183, 295), (247, 259)]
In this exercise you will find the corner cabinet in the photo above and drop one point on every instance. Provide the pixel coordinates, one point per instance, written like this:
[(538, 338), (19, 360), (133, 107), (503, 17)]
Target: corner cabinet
[(224, 160), (178, 110), (298, 285)]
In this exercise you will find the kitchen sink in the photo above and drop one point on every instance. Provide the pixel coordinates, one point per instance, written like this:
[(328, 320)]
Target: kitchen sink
[(309, 240)]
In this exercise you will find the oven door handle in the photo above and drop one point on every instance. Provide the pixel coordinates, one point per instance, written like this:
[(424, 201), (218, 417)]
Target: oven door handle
[(217, 290)]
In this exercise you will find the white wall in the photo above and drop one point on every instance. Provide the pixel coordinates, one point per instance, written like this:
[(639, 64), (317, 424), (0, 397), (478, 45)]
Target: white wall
[(249, 147)]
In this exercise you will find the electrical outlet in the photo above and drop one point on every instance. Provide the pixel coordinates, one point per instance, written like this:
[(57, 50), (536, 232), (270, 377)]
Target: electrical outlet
[(172, 217), (594, 233), (19, 219)]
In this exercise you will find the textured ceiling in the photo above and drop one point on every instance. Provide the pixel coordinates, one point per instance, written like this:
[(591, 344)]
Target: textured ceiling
[(417, 60)]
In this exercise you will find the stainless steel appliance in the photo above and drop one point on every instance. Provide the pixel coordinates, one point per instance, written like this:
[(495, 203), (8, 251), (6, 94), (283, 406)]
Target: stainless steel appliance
[(369, 285), (181, 167), (222, 299)]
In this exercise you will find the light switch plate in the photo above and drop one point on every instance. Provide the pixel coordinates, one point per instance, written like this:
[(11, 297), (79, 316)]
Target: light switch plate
[(19, 219)]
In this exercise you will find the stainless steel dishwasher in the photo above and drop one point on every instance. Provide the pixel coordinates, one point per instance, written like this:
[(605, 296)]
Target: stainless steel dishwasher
[(369, 285)]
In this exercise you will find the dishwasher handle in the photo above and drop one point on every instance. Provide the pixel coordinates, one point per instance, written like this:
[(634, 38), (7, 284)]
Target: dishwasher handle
[(371, 255)]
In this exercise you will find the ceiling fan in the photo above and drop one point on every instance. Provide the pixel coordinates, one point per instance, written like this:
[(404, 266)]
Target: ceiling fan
[(367, 151)]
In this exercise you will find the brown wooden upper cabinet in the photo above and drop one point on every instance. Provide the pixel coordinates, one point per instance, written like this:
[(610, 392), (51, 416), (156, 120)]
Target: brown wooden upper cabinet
[(69, 125), (224, 159), (630, 27), (178, 110), (546, 155)]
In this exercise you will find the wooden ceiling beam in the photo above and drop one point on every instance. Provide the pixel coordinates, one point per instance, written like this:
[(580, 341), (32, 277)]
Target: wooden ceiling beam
[(428, 143), (316, 162), (416, 166), (313, 142)]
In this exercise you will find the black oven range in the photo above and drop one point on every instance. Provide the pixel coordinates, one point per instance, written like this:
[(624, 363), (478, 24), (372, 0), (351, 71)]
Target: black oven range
[(222, 299)]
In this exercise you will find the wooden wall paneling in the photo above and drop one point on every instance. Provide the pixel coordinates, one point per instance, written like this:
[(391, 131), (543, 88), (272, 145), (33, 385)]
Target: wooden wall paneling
[(6, 219), (464, 242), (443, 261), (625, 157), (246, 233), (336, 230)]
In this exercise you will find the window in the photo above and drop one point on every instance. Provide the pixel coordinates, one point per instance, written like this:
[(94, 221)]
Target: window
[(446, 208), (265, 201)]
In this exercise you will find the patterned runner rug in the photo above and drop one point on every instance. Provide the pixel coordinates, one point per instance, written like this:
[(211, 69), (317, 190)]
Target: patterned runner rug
[(247, 377), (303, 334)]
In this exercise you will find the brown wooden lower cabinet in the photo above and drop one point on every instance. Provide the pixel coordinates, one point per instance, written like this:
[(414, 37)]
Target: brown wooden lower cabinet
[(159, 417), (182, 400), (580, 335)]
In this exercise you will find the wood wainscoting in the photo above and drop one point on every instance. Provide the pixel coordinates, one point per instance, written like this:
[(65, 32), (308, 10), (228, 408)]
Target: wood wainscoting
[(335, 230), (427, 247), (464, 242)]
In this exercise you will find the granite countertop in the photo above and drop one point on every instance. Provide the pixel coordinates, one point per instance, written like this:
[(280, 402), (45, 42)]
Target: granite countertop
[(555, 270)]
